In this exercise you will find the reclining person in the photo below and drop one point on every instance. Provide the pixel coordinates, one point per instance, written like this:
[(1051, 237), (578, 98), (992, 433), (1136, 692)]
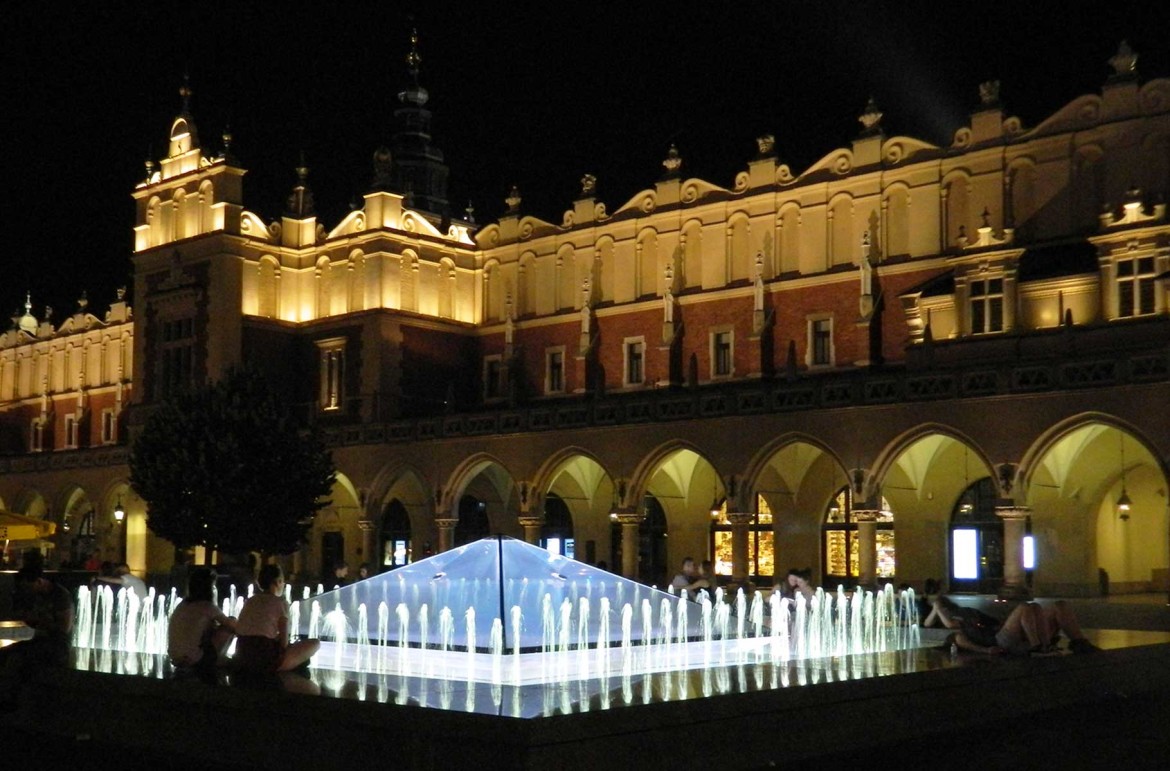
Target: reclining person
[(1029, 628)]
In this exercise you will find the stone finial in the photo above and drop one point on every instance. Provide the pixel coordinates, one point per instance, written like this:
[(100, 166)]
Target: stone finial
[(470, 212), (185, 92), (588, 186), (149, 169), (121, 294), (513, 200), (382, 169), (82, 302), (300, 200), (673, 161), (871, 119), (989, 93), (1124, 62), (986, 215), (766, 145), (226, 138)]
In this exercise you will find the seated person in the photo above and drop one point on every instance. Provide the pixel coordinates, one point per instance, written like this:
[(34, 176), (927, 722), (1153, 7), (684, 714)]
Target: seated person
[(688, 581), (797, 582), (47, 609), (262, 647), (123, 577), (340, 575), (707, 573), (1029, 628), (199, 633)]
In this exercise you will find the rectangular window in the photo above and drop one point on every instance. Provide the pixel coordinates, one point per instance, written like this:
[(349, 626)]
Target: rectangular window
[(493, 373), (176, 355), (634, 364), (1135, 287), (721, 354), (71, 432), (820, 341), (554, 371), (109, 427), (332, 374), (36, 436), (986, 305)]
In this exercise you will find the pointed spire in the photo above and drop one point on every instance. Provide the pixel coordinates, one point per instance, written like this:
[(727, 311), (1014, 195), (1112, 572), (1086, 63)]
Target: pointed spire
[(413, 59), (28, 322), (413, 93)]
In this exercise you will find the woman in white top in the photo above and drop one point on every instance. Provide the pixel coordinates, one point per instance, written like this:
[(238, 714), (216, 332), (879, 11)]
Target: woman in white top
[(262, 646)]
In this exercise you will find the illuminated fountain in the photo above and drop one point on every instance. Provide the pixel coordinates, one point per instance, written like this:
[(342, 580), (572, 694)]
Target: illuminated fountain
[(540, 633), (504, 611)]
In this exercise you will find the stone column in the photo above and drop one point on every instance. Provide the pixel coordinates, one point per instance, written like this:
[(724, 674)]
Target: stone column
[(630, 521), (367, 528), (866, 520), (532, 526), (739, 521), (1015, 519), (446, 527)]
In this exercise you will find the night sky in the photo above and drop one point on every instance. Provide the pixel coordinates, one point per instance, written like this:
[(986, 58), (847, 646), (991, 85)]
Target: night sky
[(523, 94)]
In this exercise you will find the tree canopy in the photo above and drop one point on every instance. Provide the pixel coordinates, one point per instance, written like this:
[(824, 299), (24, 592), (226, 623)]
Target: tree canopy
[(226, 466)]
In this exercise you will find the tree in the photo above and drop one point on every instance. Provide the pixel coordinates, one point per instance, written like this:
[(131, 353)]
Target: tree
[(226, 466)]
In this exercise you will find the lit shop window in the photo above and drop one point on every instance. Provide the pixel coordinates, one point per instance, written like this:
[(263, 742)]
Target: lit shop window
[(761, 541), (841, 547)]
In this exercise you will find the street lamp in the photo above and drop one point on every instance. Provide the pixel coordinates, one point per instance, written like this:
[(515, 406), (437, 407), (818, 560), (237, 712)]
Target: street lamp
[(119, 512)]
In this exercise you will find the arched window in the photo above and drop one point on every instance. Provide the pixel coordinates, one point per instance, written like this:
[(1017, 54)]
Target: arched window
[(396, 546), (761, 542), (473, 521), (841, 549), (557, 533)]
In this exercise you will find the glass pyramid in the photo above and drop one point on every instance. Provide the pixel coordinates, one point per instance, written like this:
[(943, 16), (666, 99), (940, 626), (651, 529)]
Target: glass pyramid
[(492, 577)]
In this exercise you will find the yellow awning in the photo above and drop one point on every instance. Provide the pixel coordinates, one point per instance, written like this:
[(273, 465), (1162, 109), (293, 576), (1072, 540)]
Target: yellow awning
[(17, 527)]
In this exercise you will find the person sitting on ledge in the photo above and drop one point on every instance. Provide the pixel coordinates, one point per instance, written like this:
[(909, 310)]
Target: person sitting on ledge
[(1029, 629), (262, 647), (199, 633), (688, 582)]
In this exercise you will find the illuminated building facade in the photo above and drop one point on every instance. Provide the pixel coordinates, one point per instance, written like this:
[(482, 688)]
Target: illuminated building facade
[(905, 361)]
